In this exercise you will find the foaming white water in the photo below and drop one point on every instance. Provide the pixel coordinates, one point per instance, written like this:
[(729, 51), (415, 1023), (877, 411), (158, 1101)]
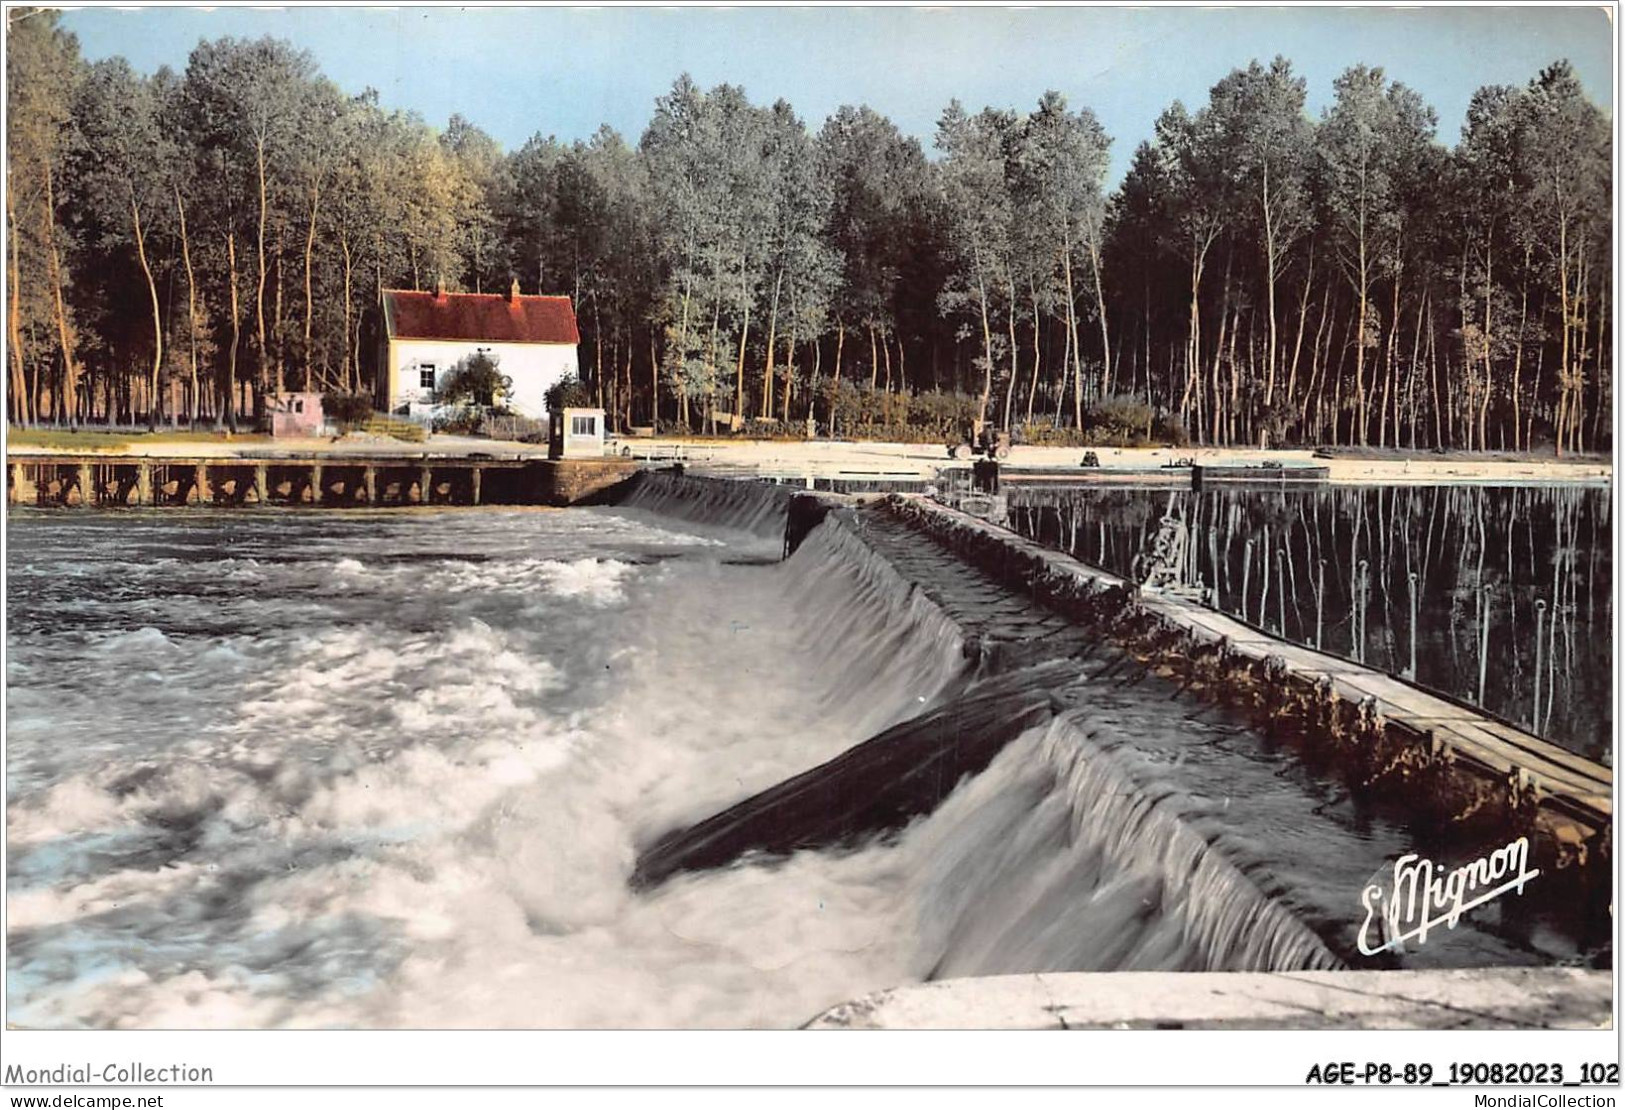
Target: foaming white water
[(397, 775), (880, 643), (747, 506), (405, 786), (1056, 859)]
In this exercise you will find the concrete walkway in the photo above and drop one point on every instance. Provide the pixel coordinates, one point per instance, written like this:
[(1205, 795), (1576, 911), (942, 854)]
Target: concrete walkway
[(290, 447), (825, 459), (919, 461), (1480, 998)]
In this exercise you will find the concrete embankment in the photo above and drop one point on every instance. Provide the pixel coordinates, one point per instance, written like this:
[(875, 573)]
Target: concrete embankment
[(1481, 998), (339, 479)]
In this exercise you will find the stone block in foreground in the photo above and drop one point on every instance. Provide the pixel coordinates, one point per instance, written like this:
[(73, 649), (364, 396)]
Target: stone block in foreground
[(1477, 998)]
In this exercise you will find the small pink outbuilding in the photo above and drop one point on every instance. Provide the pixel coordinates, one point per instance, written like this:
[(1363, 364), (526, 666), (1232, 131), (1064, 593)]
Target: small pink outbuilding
[(296, 414)]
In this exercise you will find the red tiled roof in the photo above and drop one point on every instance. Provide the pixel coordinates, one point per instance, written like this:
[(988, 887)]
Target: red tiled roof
[(492, 317)]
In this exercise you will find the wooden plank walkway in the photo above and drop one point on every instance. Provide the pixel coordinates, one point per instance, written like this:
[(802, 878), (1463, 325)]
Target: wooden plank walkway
[(1581, 787)]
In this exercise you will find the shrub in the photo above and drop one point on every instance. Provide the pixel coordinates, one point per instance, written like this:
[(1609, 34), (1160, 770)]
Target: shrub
[(934, 416), (1274, 423), (1120, 420), (942, 415), (347, 409), (854, 408), (1046, 434), (463, 421), (475, 379), (755, 427), (1170, 429), (1115, 421), (570, 393)]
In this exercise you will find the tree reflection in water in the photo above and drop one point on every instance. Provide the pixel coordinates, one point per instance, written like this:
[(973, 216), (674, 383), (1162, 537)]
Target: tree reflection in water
[(1498, 596)]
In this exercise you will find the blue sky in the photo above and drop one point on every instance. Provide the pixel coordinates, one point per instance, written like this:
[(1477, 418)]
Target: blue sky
[(563, 71)]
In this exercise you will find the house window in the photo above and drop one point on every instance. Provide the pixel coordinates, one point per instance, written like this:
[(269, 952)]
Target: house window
[(583, 425), (298, 406), (426, 375)]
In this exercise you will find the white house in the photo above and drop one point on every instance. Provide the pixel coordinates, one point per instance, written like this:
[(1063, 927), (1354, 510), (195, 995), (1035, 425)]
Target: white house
[(426, 335)]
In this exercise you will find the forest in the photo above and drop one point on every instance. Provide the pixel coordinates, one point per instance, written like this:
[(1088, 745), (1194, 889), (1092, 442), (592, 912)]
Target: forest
[(182, 246)]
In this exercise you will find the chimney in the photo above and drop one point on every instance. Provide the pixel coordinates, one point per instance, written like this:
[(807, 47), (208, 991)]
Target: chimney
[(439, 289), (513, 291)]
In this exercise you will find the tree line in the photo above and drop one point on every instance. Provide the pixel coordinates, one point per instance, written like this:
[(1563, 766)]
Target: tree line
[(184, 245)]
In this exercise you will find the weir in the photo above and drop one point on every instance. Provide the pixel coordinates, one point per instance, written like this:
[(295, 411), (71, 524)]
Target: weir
[(1395, 735), (808, 747), (982, 758), (1062, 839)]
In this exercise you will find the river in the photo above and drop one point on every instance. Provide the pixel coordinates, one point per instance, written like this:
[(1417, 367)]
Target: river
[(349, 769)]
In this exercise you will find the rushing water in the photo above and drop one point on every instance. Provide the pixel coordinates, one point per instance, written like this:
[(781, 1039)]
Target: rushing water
[(393, 769), (1496, 596)]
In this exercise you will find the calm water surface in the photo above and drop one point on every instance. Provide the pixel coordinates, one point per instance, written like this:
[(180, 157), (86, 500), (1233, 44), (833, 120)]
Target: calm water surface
[(1496, 596)]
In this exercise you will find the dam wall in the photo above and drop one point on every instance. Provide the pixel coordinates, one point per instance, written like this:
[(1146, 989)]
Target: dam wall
[(1049, 647), (760, 508), (1067, 856), (1452, 765)]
